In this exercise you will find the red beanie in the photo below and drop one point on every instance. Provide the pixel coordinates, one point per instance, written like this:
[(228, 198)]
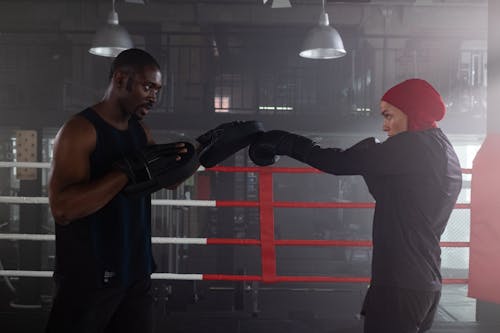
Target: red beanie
[(419, 101)]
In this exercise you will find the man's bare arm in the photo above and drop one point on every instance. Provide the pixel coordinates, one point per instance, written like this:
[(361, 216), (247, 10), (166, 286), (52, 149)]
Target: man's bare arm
[(71, 193)]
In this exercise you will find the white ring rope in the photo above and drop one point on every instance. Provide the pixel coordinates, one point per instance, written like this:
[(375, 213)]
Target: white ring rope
[(175, 276), (177, 240), (45, 200), (154, 202), (157, 276), (24, 200), (34, 237), (39, 165), (7, 272), (154, 240), (42, 237), (196, 203)]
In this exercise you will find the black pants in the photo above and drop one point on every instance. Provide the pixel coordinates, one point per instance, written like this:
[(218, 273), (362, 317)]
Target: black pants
[(395, 310), (106, 310)]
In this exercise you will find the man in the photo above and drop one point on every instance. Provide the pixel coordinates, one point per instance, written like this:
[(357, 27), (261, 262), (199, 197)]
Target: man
[(103, 235), (415, 178)]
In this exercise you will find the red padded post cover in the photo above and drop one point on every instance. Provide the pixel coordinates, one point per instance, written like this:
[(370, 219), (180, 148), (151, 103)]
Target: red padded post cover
[(484, 261)]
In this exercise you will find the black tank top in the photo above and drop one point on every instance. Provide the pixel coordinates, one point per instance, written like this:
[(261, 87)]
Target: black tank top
[(111, 247)]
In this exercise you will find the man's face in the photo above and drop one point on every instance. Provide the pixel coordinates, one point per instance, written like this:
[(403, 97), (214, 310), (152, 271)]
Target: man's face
[(141, 91), (395, 120)]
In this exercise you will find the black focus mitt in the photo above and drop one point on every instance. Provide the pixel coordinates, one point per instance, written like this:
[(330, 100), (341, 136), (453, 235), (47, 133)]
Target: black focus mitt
[(225, 140), (158, 166)]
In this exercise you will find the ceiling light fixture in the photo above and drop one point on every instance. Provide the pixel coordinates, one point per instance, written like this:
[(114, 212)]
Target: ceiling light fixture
[(112, 38), (323, 41), (279, 3)]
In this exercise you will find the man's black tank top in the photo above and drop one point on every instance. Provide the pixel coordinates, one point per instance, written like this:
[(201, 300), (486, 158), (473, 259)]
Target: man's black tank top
[(111, 247)]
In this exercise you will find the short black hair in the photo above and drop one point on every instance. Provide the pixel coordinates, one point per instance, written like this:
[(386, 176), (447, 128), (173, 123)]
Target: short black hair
[(134, 58)]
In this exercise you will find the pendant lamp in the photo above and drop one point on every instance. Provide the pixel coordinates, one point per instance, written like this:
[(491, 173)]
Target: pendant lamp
[(111, 39), (323, 41)]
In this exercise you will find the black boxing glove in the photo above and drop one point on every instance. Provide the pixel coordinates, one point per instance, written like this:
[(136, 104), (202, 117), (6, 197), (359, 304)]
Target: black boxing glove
[(225, 140), (158, 166), (268, 146)]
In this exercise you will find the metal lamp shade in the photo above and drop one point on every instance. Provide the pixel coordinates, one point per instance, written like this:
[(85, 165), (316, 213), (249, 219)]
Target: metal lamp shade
[(323, 42), (110, 41)]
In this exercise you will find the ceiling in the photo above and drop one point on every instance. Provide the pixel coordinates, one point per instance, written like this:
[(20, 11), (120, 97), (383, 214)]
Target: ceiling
[(85, 15)]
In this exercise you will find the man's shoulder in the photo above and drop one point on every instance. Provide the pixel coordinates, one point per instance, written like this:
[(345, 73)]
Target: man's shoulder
[(79, 122), (86, 114), (77, 126)]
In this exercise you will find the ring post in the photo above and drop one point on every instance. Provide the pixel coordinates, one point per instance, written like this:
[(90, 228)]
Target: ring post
[(268, 250)]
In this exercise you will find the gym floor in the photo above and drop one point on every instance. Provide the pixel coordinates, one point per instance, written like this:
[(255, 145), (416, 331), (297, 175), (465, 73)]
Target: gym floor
[(337, 313)]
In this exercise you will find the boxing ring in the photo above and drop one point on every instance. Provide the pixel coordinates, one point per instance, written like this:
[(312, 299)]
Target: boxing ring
[(267, 241)]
